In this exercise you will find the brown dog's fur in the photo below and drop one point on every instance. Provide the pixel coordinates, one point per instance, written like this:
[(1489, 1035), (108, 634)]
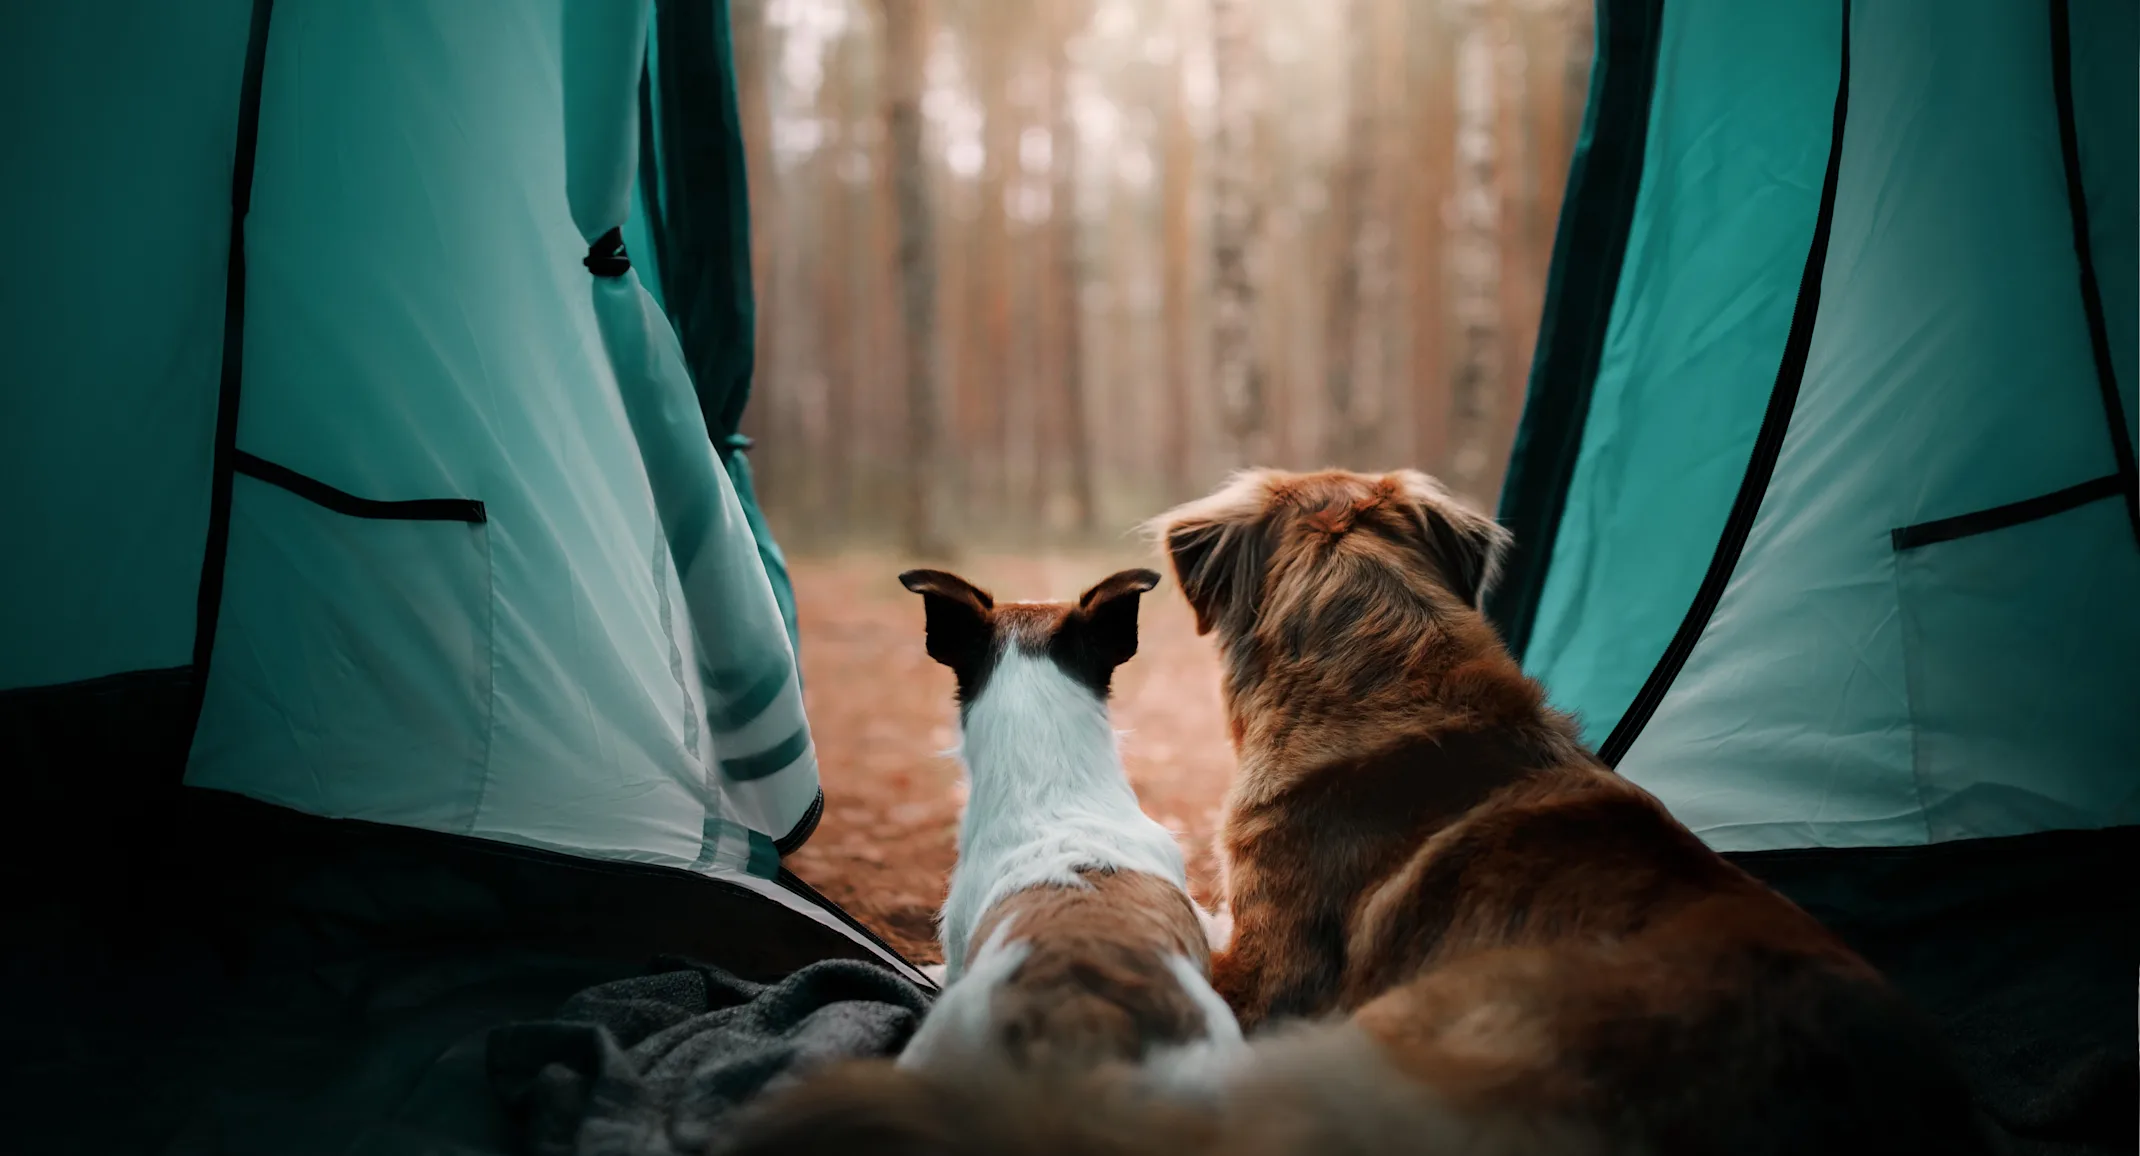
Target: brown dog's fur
[(1414, 838)]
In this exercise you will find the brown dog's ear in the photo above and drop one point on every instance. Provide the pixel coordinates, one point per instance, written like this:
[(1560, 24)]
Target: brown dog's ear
[(1218, 569), (1220, 549), (1464, 544), (960, 626), (1108, 615)]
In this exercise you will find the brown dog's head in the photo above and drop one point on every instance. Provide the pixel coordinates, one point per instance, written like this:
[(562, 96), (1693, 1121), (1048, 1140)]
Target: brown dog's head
[(1328, 553)]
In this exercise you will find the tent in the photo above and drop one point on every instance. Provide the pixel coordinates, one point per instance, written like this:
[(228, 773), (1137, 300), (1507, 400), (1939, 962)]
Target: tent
[(1826, 515), (390, 647)]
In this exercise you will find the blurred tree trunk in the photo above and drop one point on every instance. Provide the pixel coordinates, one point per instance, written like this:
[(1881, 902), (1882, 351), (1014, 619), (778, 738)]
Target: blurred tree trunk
[(1581, 32), (1177, 174), (1068, 272), (1430, 91), (1476, 262), (1396, 121), (1522, 269), (880, 500), (1236, 367), (906, 35), (847, 329), (1357, 279), (990, 283), (769, 411)]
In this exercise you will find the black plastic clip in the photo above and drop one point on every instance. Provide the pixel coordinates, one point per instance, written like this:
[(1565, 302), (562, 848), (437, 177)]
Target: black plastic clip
[(606, 257)]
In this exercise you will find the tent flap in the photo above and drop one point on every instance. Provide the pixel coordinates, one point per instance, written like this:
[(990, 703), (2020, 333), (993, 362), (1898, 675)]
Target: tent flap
[(1907, 631), (440, 319)]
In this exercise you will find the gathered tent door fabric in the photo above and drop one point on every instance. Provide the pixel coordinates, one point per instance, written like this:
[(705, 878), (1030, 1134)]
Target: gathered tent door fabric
[(487, 573), (690, 223), (1848, 544), (1736, 141)]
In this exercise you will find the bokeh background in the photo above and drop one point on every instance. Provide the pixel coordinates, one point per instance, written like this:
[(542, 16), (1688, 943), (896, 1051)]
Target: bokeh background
[(1028, 271)]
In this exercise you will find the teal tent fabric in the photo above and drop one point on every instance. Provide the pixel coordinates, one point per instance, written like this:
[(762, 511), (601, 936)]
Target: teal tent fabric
[(2107, 121), (1873, 591), (597, 663), (118, 143), (1707, 288), (1846, 692), (696, 201)]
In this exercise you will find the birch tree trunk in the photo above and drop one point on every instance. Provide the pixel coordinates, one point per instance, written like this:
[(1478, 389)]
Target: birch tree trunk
[(1068, 271), (1178, 171), (1476, 257), (1431, 93), (1236, 368)]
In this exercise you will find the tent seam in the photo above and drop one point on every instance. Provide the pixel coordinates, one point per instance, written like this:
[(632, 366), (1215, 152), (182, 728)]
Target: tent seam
[(223, 469), (2106, 374), (490, 685), (1768, 443)]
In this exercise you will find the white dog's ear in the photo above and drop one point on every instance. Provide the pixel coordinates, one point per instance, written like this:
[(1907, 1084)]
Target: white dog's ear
[(1465, 545), (1219, 547), (1107, 615), (960, 624)]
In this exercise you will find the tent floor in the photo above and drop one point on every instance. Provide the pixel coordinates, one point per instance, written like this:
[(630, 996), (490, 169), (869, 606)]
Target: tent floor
[(275, 983), (2027, 950), (282, 984)]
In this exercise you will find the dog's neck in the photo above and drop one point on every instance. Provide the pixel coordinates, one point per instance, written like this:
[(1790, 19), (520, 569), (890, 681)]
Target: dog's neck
[(1047, 796), (1365, 687)]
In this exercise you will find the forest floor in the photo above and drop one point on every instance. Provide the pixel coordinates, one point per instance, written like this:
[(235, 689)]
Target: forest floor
[(884, 720)]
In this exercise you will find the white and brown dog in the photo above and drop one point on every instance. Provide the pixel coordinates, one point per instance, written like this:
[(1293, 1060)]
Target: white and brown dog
[(1068, 924), (1070, 940)]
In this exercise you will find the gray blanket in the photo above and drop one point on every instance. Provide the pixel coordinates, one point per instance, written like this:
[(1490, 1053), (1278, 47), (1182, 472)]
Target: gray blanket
[(650, 1066)]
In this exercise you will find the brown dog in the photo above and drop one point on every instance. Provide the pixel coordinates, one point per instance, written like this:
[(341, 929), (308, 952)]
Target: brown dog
[(1415, 839)]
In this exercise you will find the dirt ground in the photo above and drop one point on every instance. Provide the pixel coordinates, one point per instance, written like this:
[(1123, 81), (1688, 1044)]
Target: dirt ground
[(884, 717)]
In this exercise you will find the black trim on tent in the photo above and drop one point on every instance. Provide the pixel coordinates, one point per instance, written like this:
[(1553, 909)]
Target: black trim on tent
[(210, 601), (796, 884), (1604, 184), (320, 493), (2106, 374), (2011, 514), (1768, 444), (804, 827)]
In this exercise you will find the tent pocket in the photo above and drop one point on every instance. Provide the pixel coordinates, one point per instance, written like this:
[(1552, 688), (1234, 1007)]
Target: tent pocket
[(2021, 661), (352, 672)]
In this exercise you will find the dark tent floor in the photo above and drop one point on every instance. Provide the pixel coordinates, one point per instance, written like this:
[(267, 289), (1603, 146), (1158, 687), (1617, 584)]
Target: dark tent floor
[(274, 983), (285, 984)]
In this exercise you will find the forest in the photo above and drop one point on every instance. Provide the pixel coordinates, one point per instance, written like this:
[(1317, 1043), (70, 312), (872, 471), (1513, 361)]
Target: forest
[(1029, 270)]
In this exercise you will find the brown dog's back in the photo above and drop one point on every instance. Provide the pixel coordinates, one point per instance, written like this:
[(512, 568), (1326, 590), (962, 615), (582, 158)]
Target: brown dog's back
[(1416, 839)]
